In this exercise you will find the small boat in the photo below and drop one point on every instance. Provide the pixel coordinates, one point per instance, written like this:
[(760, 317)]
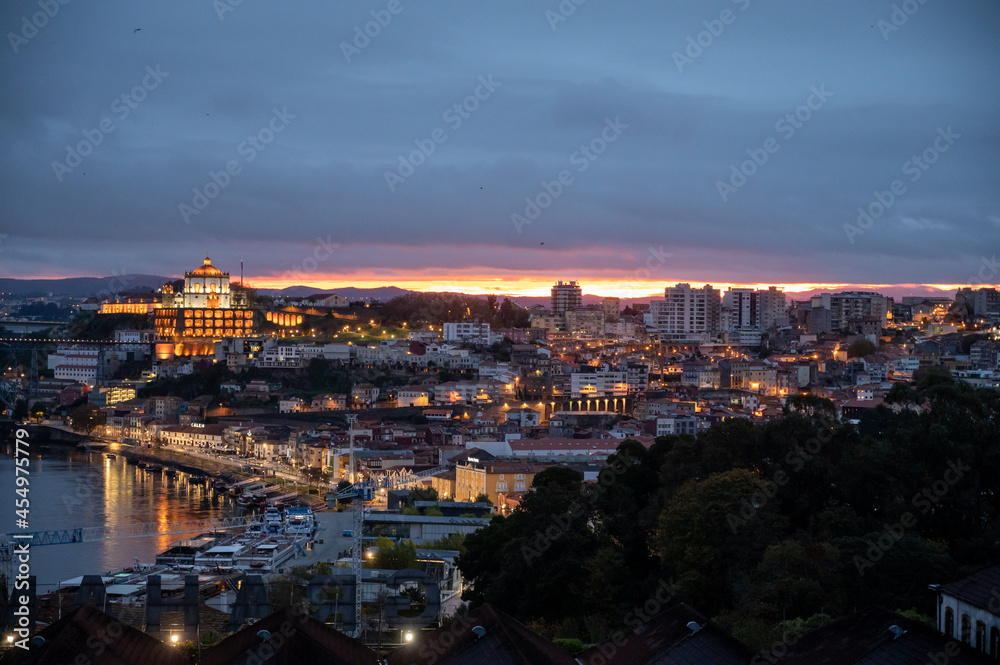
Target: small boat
[(171, 472), (197, 480), (141, 464), (111, 455), (154, 468)]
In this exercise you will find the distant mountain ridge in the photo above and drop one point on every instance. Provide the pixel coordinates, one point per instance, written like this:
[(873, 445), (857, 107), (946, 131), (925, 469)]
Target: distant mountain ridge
[(85, 287), (382, 293), (80, 287)]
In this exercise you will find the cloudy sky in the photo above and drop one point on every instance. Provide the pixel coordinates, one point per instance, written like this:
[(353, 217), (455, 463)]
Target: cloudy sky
[(498, 146)]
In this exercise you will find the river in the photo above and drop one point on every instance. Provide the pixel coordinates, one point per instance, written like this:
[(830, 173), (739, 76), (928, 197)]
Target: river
[(71, 488)]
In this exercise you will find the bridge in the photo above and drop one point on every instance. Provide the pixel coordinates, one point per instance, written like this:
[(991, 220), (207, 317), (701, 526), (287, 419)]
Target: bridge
[(112, 532), (11, 392), (90, 534)]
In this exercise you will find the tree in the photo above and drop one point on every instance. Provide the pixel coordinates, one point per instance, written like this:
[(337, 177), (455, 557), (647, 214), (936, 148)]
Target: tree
[(810, 404), (862, 348), (84, 418), (38, 411), (713, 529), (482, 497), (394, 556), (529, 564), (20, 410), (423, 494)]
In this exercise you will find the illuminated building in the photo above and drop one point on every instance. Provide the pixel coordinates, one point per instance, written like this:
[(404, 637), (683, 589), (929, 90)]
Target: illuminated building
[(686, 314), (205, 310), (129, 306), (566, 296)]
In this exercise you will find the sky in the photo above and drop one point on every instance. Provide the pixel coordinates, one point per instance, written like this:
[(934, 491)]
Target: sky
[(499, 146)]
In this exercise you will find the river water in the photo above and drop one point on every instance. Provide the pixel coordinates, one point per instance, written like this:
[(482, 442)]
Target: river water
[(71, 488)]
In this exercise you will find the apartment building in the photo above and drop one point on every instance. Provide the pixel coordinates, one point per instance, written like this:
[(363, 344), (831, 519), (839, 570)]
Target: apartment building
[(493, 479), (598, 384), (566, 296), (686, 314), (467, 332)]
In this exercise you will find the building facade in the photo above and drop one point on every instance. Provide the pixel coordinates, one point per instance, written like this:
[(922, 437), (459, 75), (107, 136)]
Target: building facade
[(566, 296), (686, 314)]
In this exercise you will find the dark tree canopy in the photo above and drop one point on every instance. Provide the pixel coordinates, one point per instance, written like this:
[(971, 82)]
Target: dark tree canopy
[(768, 527)]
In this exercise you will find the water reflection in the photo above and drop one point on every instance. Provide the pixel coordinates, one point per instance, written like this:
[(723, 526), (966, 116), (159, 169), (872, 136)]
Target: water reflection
[(71, 488)]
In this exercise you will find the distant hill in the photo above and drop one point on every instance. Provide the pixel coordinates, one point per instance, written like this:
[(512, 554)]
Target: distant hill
[(85, 287), (80, 287), (382, 293)]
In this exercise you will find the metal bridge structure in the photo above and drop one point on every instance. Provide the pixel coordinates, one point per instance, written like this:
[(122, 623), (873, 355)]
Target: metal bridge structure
[(111, 532), (12, 391)]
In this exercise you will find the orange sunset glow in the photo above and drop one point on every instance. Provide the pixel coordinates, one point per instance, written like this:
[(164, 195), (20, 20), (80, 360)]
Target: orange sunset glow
[(534, 286)]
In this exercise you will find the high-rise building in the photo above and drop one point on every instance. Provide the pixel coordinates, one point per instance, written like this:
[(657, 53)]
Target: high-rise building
[(750, 310), (566, 296), (612, 309), (851, 306), (986, 304), (772, 308), (686, 314)]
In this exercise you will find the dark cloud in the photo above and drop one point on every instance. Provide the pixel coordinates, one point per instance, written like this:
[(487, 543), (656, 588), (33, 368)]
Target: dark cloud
[(324, 174)]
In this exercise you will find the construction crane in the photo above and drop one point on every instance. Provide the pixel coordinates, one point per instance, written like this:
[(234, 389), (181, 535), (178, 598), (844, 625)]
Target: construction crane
[(360, 493)]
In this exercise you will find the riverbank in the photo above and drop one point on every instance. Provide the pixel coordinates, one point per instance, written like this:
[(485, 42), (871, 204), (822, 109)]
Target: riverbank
[(314, 497)]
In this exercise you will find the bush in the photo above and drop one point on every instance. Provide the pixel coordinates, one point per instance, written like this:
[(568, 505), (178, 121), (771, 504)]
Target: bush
[(572, 645)]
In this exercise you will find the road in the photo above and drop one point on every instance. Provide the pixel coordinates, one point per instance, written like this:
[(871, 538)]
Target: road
[(229, 461), (332, 526)]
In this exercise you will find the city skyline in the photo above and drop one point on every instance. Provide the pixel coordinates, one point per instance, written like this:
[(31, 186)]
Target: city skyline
[(465, 147)]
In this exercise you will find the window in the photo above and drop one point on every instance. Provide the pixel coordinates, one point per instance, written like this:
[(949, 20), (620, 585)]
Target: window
[(949, 622), (995, 642), (981, 636), (966, 629)]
